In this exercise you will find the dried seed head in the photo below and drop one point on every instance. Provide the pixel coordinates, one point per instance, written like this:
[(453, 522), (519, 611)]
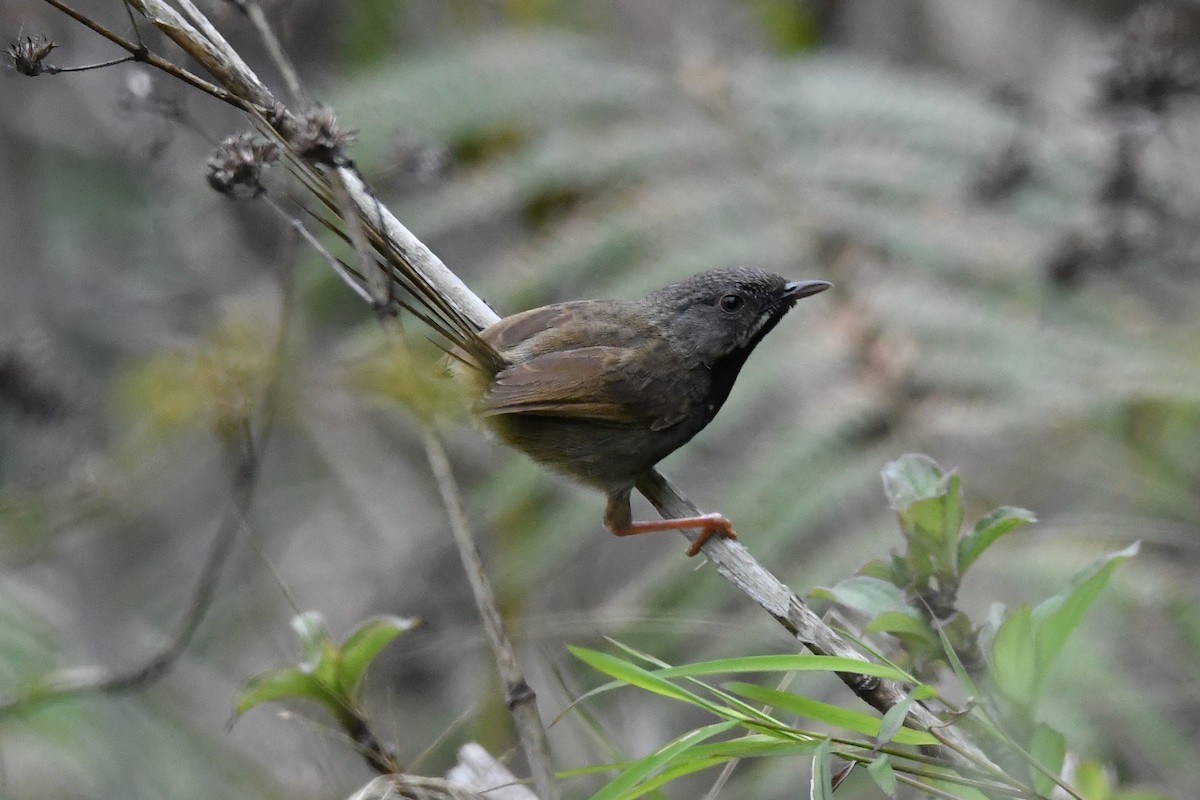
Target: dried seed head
[(318, 138), (235, 167), (27, 56)]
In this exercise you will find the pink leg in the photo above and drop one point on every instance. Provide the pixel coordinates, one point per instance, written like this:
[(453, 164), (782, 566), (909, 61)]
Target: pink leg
[(617, 518)]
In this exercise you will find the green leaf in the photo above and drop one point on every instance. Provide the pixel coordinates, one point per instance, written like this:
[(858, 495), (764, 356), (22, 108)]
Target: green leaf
[(929, 504), (868, 596), (1014, 659), (881, 772), (956, 665), (910, 478), (756, 745), (786, 663), (822, 778), (643, 679), (289, 683), (624, 785), (931, 526), (365, 643), (1057, 617), (894, 719), (908, 624), (1048, 748), (1005, 519), (855, 721)]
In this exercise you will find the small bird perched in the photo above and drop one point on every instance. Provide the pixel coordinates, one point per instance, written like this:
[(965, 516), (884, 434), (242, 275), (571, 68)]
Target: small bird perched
[(602, 390)]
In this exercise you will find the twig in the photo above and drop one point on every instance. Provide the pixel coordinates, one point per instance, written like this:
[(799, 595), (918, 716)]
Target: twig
[(518, 695), (254, 12), (141, 53)]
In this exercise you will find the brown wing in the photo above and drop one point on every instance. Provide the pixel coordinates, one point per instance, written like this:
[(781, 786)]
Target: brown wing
[(603, 384)]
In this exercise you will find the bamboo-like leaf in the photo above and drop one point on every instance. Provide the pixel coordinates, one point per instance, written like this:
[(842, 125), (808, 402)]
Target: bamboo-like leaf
[(853, 721), (644, 679), (625, 785), (821, 787)]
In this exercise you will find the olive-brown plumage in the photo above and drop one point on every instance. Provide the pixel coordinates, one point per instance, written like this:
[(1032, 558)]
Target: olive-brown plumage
[(602, 390)]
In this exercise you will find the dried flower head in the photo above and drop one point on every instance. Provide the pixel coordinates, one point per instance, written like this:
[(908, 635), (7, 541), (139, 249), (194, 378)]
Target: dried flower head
[(318, 138), (1149, 66), (235, 167), (27, 56)]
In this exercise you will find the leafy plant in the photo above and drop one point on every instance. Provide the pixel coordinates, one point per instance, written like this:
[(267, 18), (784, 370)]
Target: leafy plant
[(913, 598), (330, 675)]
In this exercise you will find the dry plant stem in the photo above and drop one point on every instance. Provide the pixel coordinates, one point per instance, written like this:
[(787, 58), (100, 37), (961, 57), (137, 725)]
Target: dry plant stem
[(254, 12), (518, 695), (140, 53)]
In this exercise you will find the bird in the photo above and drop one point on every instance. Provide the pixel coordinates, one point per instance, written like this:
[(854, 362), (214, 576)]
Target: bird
[(602, 390)]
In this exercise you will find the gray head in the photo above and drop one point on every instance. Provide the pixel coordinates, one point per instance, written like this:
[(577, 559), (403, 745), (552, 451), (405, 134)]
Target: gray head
[(727, 312)]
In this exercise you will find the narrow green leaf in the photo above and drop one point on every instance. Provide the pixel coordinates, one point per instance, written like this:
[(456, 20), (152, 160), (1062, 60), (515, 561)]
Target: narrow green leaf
[(623, 784), (1014, 660), (1048, 748), (756, 745), (1057, 617), (881, 772), (854, 721), (365, 643), (289, 683), (893, 720), (956, 665), (786, 663), (671, 773), (657, 663), (644, 679), (910, 478), (1005, 519), (822, 777)]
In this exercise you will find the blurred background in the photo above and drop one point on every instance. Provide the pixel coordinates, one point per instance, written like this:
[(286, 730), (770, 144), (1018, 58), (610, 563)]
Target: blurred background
[(1004, 192)]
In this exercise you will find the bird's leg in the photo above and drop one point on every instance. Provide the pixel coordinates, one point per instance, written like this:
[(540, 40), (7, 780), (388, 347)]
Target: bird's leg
[(618, 517)]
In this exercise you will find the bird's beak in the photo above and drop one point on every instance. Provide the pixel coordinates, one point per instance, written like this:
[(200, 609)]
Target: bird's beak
[(794, 290)]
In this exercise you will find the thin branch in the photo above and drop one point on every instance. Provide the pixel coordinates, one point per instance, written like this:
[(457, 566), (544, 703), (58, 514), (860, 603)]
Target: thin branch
[(141, 53), (254, 12), (518, 695)]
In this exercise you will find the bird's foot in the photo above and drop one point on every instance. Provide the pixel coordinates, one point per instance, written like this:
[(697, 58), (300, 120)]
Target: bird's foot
[(710, 525)]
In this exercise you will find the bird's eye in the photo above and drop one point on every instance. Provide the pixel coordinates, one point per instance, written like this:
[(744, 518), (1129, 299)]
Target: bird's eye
[(731, 303)]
